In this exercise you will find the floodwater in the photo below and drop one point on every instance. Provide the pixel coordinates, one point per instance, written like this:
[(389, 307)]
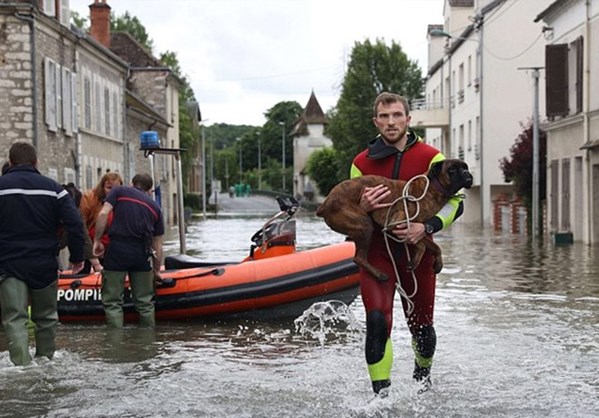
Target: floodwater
[(517, 327)]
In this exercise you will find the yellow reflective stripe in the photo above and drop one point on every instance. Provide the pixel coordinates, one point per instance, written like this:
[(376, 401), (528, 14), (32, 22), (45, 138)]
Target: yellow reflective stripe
[(382, 369), (436, 159), (354, 172), (448, 211), (420, 360)]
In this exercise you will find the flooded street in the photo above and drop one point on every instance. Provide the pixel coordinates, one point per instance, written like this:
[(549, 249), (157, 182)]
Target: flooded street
[(517, 327)]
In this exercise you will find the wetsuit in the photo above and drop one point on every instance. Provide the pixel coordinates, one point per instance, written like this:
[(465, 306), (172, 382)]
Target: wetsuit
[(377, 296)]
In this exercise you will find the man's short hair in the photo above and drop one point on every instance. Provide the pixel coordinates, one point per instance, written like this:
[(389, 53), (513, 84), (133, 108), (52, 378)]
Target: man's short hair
[(22, 153), (388, 98), (143, 181)]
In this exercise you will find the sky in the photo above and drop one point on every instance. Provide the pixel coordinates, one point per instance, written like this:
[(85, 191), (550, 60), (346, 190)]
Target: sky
[(241, 57)]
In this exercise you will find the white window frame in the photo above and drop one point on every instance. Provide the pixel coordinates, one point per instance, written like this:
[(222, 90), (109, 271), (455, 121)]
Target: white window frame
[(67, 101), (49, 7), (50, 90)]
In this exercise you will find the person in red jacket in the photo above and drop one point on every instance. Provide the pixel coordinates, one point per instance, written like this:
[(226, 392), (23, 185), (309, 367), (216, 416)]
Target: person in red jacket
[(398, 153)]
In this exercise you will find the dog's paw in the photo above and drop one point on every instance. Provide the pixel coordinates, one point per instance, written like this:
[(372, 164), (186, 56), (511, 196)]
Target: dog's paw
[(437, 267)]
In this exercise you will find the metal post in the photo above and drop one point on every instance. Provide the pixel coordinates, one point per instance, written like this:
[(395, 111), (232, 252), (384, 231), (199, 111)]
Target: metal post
[(240, 163), (282, 123), (259, 164), (535, 152), (535, 157), (181, 219), (212, 188), (203, 172), (151, 159)]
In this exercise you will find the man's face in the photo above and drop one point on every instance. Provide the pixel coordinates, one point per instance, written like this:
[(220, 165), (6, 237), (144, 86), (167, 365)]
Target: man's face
[(391, 121)]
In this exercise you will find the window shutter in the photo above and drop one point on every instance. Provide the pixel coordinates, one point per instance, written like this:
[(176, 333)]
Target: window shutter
[(50, 93), (556, 84), (75, 108)]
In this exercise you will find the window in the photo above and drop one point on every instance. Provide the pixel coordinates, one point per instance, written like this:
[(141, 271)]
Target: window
[(50, 87), (115, 114), (49, 7), (87, 102), (67, 101), (65, 13), (107, 115), (75, 107)]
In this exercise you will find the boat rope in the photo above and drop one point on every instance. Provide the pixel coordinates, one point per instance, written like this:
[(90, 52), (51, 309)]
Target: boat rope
[(405, 198)]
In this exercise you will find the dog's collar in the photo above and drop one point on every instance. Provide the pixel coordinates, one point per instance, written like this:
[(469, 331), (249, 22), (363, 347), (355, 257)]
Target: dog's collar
[(440, 188)]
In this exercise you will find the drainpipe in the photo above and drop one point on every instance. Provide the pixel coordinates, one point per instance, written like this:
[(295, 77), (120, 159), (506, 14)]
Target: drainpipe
[(31, 20)]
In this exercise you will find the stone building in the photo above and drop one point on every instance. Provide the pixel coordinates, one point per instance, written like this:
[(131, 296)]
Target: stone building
[(83, 99), (308, 136)]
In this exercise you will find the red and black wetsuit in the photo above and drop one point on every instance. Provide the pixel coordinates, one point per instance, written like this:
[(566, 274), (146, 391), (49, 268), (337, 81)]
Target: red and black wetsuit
[(377, 296)]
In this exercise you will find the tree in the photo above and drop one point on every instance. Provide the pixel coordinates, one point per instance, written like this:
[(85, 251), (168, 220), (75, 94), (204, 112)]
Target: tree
[(322, 168), (133, 26), (372, 69), (518, 168)]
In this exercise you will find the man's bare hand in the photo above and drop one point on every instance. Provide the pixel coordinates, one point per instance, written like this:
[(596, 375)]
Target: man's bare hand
[(412, 234), (372, 196)]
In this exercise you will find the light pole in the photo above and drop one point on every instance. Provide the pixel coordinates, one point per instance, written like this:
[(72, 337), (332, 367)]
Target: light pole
[(240, 161), (479, 41), (282, 123), (203, 168), (259, 161), (535, 151)]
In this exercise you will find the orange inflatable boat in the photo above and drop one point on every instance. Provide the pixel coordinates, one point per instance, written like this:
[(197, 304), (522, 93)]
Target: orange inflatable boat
[(275, 281)]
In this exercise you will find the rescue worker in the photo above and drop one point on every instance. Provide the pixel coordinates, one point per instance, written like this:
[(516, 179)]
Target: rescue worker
[(398, 153)]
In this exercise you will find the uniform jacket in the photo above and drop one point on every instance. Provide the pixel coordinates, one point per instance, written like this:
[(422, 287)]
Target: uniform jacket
[(32, 210)]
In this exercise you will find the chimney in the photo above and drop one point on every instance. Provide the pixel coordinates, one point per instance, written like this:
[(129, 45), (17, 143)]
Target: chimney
[(99, 13)]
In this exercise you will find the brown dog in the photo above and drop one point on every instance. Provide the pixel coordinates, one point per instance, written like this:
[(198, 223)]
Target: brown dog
[(342, 212)]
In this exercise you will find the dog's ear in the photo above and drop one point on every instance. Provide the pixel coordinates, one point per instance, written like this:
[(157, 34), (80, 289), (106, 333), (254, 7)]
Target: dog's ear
[(435, 170)]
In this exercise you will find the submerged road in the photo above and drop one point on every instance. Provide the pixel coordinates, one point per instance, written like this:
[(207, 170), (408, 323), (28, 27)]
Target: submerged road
[(249, 204)]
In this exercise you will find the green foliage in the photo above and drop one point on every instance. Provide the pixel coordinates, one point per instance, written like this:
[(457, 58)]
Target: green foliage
[(133, 26), (78, 20), (322, 168), (193, 201), (518, 168), (372, 69)]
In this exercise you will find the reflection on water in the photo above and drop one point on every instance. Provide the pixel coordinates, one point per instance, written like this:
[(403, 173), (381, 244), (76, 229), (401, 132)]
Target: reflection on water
[(517, 337)]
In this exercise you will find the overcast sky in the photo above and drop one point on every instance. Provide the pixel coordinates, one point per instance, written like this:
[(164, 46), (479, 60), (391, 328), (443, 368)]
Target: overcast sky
[(242, 57)]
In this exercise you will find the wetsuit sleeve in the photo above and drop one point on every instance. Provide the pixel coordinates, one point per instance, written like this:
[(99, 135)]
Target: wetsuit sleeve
[(451, 211)]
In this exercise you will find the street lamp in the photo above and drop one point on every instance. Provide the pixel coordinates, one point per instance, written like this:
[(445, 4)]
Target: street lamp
[(282, 123), (441, 33)]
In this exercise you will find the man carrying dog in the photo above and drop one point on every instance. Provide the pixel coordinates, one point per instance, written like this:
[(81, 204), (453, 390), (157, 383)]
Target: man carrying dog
[(32, 210), (398, 153)]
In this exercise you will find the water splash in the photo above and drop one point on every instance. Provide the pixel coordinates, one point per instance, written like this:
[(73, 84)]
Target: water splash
[(327, 320)]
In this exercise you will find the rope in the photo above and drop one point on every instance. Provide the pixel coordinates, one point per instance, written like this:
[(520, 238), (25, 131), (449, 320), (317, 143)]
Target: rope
[(405, 198)]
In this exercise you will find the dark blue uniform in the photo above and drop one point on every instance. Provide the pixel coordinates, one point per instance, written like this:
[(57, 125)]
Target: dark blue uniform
[(137, 219), (32, 207)]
